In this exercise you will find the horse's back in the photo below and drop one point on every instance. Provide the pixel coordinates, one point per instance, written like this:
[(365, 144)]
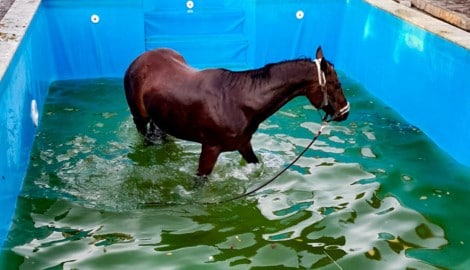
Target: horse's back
[(164, 58), (150, 73), (157, 62)]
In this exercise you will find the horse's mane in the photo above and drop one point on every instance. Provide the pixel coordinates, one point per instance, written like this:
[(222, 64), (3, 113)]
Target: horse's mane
[(264, 73)]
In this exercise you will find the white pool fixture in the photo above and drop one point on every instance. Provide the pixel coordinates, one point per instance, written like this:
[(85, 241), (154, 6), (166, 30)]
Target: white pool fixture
[(95, 18), (34, 112), (190, 4), (299, 14)]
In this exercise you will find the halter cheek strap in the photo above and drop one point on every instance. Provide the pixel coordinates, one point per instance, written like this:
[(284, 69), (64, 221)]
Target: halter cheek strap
[(322, 82)]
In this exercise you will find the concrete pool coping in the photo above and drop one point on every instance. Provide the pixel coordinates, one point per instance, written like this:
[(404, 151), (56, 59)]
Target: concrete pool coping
[(13, 27), (425, 21), (456, 12)]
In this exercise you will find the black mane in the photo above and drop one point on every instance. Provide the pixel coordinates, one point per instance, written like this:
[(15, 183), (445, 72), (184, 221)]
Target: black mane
[(263, 73)]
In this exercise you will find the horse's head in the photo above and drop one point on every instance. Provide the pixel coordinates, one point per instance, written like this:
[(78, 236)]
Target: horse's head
[(327, 93)]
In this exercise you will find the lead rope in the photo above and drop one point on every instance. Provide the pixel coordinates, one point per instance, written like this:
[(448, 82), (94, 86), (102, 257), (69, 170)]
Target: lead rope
[(325, 120), (246, 194), (322, 83), (323, 124)]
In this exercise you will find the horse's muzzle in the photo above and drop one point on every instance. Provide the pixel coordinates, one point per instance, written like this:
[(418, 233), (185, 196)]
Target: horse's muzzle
[(342, 114)]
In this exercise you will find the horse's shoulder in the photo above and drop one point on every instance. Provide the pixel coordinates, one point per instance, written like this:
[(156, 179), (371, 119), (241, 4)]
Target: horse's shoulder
[(214, 77)]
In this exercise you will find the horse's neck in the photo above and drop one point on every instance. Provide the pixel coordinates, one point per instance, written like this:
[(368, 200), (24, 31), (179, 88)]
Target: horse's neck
[(284, 82)]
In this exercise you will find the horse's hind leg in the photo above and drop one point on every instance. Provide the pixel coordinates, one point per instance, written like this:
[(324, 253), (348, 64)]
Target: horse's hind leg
[(141, 124), (155, 134), (147, 128)]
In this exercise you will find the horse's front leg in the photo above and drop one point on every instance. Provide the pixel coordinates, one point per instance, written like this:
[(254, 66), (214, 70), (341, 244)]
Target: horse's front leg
[(248, 154), (207, 159)]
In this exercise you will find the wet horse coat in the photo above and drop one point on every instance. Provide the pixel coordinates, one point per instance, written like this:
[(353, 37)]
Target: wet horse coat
[(221, 109)]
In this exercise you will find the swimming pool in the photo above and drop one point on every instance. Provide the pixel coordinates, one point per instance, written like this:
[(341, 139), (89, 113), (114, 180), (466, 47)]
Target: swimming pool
[(417, 73)]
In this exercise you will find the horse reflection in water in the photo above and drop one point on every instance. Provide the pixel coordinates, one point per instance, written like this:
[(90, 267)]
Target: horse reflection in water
[(219, 108)]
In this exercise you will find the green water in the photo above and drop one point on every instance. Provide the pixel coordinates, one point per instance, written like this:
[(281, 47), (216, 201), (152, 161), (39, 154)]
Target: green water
[(373, 193)]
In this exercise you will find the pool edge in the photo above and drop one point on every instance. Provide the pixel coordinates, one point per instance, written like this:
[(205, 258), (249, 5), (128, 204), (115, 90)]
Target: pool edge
[(13, 27), (425, 21)]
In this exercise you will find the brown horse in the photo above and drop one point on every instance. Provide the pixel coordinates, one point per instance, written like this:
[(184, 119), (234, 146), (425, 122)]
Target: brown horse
[(219, 108)]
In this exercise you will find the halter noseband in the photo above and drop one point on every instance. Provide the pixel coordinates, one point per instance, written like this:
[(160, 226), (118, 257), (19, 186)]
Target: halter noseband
[(324, 89)]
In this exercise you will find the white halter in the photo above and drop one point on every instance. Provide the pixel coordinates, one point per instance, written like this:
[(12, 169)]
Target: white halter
[(322, 83)]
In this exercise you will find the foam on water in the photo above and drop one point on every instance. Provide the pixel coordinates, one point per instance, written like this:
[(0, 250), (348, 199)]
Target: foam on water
[(339, 206)]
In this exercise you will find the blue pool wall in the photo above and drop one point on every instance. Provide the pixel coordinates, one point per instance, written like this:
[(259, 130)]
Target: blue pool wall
[(420, 75), (27, 77)]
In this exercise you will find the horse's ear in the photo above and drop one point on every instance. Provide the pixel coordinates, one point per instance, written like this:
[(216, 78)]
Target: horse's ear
[(323, 62), (324, 65), (319, 54)]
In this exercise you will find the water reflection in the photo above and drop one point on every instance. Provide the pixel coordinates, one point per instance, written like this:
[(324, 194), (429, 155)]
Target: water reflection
[(81, 206)]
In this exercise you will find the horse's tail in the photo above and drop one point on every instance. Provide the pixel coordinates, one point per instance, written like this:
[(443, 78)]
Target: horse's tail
[(134, 96)]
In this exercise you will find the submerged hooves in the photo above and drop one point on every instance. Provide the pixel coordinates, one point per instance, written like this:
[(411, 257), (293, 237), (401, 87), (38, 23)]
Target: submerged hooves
[(154, 135), (153, 140), (200, 181), (157, 137)]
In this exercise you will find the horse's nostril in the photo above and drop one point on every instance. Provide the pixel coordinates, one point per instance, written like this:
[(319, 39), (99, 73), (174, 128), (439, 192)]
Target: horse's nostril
[(342, 117)]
